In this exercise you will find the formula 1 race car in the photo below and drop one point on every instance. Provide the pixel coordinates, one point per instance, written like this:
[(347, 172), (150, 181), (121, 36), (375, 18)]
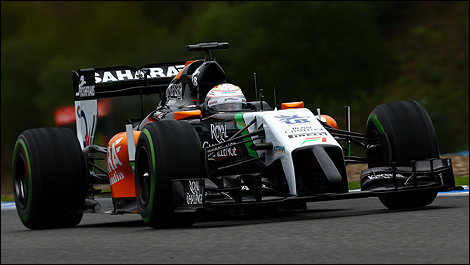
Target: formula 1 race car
[(205, 148)]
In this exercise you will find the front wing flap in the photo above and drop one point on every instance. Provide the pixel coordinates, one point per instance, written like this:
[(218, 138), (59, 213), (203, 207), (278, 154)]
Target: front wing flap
[(420, 173)]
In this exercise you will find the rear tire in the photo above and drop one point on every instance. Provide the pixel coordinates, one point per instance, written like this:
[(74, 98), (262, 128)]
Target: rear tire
[(166, 150), (411, 135), (49, 178)]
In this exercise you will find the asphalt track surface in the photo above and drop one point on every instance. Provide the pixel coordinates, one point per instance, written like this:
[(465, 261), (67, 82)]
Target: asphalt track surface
[(346, 231)]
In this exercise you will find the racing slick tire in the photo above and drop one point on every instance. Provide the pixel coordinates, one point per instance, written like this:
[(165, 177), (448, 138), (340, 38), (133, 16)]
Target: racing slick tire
[(411, 136), (49, 178), (166, 150)]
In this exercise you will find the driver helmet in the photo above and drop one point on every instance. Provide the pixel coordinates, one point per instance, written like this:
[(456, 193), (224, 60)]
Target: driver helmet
[(225, 97)]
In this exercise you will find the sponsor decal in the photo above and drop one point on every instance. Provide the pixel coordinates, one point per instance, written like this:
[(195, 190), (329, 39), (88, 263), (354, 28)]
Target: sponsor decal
[(231, 99), (384, 176), (195, 76), (229, 151), (312, 139), (83, 90), (194, 196), (279, 149), (113, 159), (303, 129), (307, 134), (116, 177), (294, 119), (81, 115), (123, 75), (219, 134), (175, 91), (227, 88)]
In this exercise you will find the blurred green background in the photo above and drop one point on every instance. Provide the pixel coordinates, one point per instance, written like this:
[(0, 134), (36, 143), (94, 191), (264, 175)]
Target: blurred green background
[(329, 54)]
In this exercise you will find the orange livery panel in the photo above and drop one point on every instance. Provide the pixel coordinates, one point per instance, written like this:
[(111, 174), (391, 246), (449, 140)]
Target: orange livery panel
[(120, 172)]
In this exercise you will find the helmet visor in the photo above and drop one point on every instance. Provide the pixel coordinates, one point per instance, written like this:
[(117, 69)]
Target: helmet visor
[(227, 106)]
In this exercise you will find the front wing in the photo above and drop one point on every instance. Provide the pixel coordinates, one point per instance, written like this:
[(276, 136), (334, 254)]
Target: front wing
[(232, 191)]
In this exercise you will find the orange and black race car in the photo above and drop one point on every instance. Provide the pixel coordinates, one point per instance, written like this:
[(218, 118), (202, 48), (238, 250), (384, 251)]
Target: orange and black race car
[(205, 148)]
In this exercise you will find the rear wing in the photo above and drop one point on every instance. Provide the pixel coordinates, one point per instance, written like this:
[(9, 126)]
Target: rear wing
[(94, 83)]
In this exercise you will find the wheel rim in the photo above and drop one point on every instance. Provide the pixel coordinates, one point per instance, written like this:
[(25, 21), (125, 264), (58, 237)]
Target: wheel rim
[(21, 180), (143, 177)]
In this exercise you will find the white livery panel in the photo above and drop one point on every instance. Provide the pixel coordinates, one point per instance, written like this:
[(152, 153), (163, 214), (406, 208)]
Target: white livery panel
[(288, 130)]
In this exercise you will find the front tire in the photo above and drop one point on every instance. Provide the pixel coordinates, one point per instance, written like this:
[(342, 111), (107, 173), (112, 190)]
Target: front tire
[(166, 150), (411, 136), (49, 178)]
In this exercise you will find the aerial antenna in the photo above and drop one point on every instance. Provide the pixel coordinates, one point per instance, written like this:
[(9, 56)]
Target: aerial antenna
[(256, 89), (261, 98), (275, 103)]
